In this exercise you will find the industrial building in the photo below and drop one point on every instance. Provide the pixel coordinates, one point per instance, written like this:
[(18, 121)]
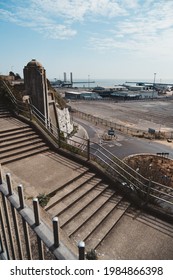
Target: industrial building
[(86, 95)]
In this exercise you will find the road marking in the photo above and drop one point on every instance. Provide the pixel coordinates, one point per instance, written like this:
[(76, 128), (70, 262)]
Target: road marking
[(118, 144)]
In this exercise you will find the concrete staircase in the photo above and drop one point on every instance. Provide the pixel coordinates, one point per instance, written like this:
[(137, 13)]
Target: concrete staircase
[(17, 140), (87, 207), (4, 113)]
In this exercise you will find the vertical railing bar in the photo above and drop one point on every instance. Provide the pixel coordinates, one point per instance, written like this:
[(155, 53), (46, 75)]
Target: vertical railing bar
[(3, 252), (21, 196), (17, 234), (56, 231), (36, 211), (37, 223), (15, 221), (1, 245), (0, 174), (88, 149), (81, 247), (40, 248), (4, 200), (4, 233), (25, 225), (27, 240), (9, 184)]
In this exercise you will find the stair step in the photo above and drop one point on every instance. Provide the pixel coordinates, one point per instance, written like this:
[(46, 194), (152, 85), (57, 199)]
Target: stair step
[(19, 145), (68, 188), (4, 111), (17, 136), (24, 155), (13, 129), (100, 233), (5, 115), (67, 202), (19, 151), (17, 131), (86, 202), (91, 210), (21, 140)]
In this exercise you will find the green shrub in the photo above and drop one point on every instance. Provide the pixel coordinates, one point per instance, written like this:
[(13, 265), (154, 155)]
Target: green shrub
[(91, 255), (43, 199)]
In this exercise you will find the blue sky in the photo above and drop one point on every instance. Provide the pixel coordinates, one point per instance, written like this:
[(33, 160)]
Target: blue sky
[(115, 39)]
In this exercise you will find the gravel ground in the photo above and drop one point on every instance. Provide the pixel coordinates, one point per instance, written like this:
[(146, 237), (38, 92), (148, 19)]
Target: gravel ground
[(156, 114)]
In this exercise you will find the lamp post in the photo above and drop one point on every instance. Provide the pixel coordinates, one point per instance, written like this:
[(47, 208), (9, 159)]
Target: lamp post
[(88, 81), (154, 83)]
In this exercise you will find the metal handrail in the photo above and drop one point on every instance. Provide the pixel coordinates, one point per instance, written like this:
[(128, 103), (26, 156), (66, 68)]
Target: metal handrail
[(127, 167)]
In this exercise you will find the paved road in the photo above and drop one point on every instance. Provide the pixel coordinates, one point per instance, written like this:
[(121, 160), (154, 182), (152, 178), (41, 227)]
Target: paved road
[(125, 145)]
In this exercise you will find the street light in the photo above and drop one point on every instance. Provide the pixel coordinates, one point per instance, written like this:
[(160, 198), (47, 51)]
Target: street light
[(154, 83), (88, 81)]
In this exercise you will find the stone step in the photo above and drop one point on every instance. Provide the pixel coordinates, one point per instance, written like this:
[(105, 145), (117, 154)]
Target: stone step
[(4, 111), (85, 203), (18, 141), (13, 132), (26, 154), (82, 220), (18, 136), (13, 129), (5, 115), (20, 145), (73, 198), (63, 191), (97, 219), (101, 232), (19, 151)]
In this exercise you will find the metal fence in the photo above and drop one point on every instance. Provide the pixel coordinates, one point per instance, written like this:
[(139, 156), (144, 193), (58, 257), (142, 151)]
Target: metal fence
[(23, 234), (123, 128)]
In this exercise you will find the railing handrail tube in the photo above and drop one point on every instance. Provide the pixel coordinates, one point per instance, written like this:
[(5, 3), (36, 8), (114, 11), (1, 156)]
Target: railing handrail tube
[(139, 175)]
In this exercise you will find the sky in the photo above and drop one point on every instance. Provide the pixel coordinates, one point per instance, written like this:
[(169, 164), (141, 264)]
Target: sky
[(96, 39)]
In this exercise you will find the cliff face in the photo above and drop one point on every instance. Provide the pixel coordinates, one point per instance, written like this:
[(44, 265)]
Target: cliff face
[(64, 121), (59, 113)]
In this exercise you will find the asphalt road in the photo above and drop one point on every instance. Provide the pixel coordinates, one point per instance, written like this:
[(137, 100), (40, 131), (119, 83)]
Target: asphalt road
[(124, 145)]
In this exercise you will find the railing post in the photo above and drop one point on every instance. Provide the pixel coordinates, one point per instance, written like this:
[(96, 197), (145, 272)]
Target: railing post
[(9, 226), (36, 211), (148, 189), (0, 174), (37, 223), (81, 247), (9, 184), (21, 196), (25, 225), (56, 231), (15, 221), (88, 149), (4, 232)]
